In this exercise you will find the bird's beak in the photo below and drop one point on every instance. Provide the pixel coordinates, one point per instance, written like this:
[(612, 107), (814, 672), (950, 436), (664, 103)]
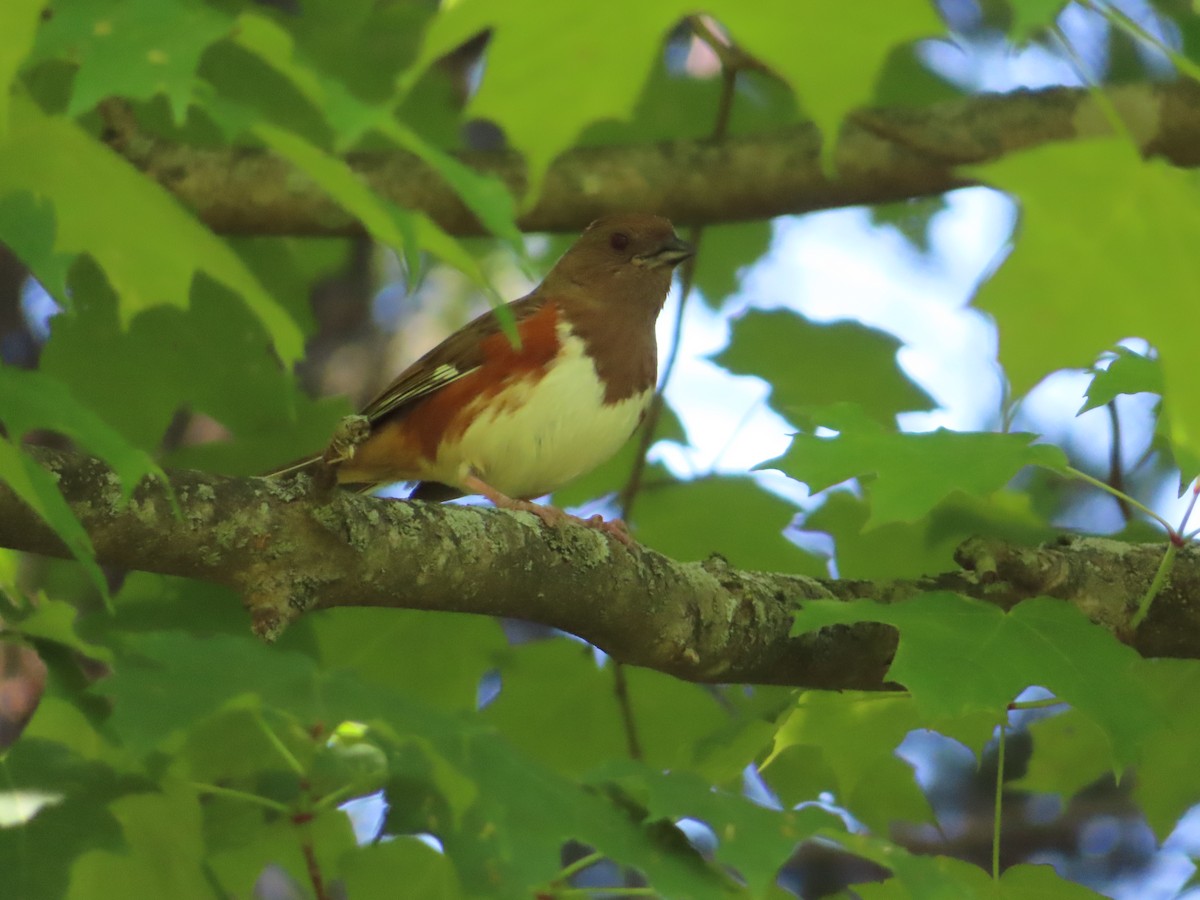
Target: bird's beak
[(671, 253)]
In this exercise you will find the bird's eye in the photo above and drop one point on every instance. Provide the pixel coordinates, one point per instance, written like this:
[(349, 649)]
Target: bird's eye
[(619, 240)]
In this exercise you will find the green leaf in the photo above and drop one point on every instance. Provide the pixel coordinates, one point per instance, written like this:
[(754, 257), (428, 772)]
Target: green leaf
[(1128, 373), (913, 473), (1123, 222), (1070, 751), (894, 550), (247, 844), (1031, 16), (53, 158), (730, 515), (559, 705), (387, 223), (517, 813), (408, 647), (36, 858), (34, 400), (925, 546), (856, 735), (685, 727), (54, 620), (729, 251), (19, 24), (39, 490), (173, 680), (924, 877), (831, 61), (132, 48), (958, 655), (163, 852), (243, 388), (1166, 786), (267, 40), (485, 195), (753, 840), (820, 365), (911, 218), (372, 871), (27, 227), (534, 86), (525, 814)]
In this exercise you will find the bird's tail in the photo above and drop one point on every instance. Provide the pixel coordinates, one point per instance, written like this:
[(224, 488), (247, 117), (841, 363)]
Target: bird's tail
[(304, 463)]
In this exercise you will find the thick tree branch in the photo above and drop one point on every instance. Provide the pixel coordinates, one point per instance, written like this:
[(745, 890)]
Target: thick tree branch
[(883, 155), (290, 547)]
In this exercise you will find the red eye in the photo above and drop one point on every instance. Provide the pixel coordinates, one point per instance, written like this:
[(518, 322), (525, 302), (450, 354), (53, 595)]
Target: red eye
[(619, 240)]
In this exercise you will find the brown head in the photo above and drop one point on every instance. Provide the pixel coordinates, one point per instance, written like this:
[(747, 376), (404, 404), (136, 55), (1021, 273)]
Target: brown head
[(621, 262), (612, 284)]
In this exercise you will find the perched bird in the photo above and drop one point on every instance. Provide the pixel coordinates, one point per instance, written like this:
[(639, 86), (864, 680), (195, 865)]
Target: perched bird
[(478, 415)]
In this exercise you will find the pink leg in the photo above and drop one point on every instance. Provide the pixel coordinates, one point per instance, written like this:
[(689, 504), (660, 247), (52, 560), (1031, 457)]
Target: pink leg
[(551, 515)]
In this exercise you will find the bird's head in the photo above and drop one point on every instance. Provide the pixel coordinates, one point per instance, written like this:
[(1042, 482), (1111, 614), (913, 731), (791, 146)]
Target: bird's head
[(625, 259)]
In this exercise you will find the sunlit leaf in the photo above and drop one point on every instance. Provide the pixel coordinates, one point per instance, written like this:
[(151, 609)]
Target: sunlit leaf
[(831, 62), (1128, 373), (1123, 222), (18, 23), (53, 158), (132, 48)]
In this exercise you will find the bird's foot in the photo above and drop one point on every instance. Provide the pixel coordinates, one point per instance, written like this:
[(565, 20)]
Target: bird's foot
[(351, 431), (551, 515)]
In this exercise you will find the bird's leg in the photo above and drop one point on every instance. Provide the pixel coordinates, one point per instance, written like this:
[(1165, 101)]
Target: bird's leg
[(551, 515), (350, 433)]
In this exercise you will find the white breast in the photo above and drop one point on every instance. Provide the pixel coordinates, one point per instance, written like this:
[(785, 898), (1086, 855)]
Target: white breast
[(541, 435)]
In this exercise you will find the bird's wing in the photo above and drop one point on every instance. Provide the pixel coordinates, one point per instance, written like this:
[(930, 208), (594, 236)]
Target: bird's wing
[(456, 357)]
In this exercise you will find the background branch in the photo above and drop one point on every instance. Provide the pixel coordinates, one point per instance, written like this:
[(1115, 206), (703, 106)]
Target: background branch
[(883, 155)]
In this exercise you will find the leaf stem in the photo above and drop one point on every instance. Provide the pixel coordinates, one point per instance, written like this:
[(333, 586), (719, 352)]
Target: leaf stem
[(1036, 704), (1120, 495), (621, 689), (1160, 579), (1187, 513), (288, 756), (996, 816), (584, 862), (244, 796), (1122, 21), (333, 798)]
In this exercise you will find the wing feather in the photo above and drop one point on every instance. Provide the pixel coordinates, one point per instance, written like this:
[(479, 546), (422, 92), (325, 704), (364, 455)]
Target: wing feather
[(456, 357)]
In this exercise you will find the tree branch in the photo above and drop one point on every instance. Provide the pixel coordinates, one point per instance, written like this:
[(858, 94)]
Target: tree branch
[(290, 547), (883, 155)]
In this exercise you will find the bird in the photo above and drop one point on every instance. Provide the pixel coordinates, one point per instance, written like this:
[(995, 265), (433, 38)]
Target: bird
[(481, 415)]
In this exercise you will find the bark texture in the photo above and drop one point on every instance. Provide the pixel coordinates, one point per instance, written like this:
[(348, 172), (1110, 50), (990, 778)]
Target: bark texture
[(292, 546)]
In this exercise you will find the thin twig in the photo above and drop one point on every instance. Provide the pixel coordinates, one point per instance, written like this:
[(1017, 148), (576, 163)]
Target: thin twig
[(621, 689), (996, 815), (1116, 467), (633, 483), (314, 869)]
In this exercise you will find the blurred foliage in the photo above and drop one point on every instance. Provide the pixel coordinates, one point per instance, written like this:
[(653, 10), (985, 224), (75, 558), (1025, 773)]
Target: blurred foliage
[(172, 755)]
